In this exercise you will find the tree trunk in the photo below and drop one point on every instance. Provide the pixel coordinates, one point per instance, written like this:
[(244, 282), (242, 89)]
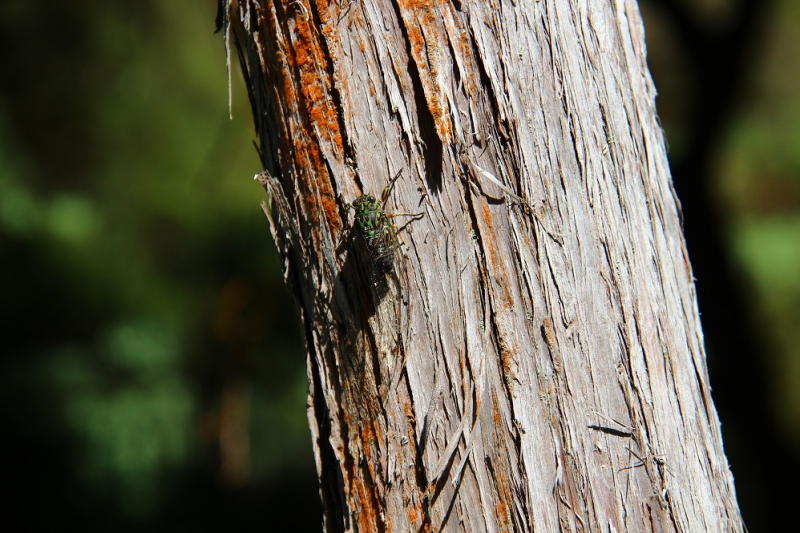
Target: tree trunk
[(533, 360)]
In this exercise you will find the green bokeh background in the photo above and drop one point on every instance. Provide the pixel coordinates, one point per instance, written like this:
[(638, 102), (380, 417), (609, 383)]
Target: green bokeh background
[(153, 371), (151, 356)]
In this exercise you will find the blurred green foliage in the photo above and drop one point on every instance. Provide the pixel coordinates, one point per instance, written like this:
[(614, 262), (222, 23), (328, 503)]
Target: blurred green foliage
[(757, 175), (147, 333)]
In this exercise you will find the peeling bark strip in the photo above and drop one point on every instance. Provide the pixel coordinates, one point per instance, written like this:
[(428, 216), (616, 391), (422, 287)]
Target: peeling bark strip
[(537, 362)]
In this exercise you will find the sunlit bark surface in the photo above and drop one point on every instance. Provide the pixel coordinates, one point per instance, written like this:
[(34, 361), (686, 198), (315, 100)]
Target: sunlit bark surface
[(534, 361)]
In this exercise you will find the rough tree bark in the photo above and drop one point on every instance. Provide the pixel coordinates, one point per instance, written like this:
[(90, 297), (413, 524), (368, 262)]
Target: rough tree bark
[(536, 361)]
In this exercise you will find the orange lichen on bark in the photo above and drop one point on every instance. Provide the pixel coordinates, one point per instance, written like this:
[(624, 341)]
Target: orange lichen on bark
[(315, 83), (425, 34), (366, 445), (504, 486), (330, 207), (498, 420), (488, 244), (503, 515), (414, 509), (504, 298), (422, 7), (312, 116), (413, 516), (407, 409), (367, 507), (377, 431), (367, 516), (316, 191), (310, 119), (500, 509), (465, 47), (506, 359), (322, 9)]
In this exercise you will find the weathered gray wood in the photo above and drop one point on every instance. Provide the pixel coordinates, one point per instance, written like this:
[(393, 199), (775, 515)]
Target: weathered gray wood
[(537, 361)]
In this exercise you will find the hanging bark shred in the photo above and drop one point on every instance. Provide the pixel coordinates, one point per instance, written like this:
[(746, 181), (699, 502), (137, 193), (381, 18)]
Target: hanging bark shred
[(536, 362)]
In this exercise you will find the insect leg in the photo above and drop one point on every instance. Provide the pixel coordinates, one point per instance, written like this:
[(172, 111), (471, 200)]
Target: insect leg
[(388, 189)]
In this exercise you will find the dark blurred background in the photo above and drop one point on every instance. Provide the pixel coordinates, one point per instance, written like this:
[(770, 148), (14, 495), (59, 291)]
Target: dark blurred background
[(152, 370)]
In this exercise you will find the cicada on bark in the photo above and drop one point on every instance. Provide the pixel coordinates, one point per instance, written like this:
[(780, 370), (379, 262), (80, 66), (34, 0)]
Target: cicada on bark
[(384, 244), (381, 236)]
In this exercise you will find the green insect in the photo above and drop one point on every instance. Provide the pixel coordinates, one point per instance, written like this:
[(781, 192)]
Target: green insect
[(383, 242), (381, 237)]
